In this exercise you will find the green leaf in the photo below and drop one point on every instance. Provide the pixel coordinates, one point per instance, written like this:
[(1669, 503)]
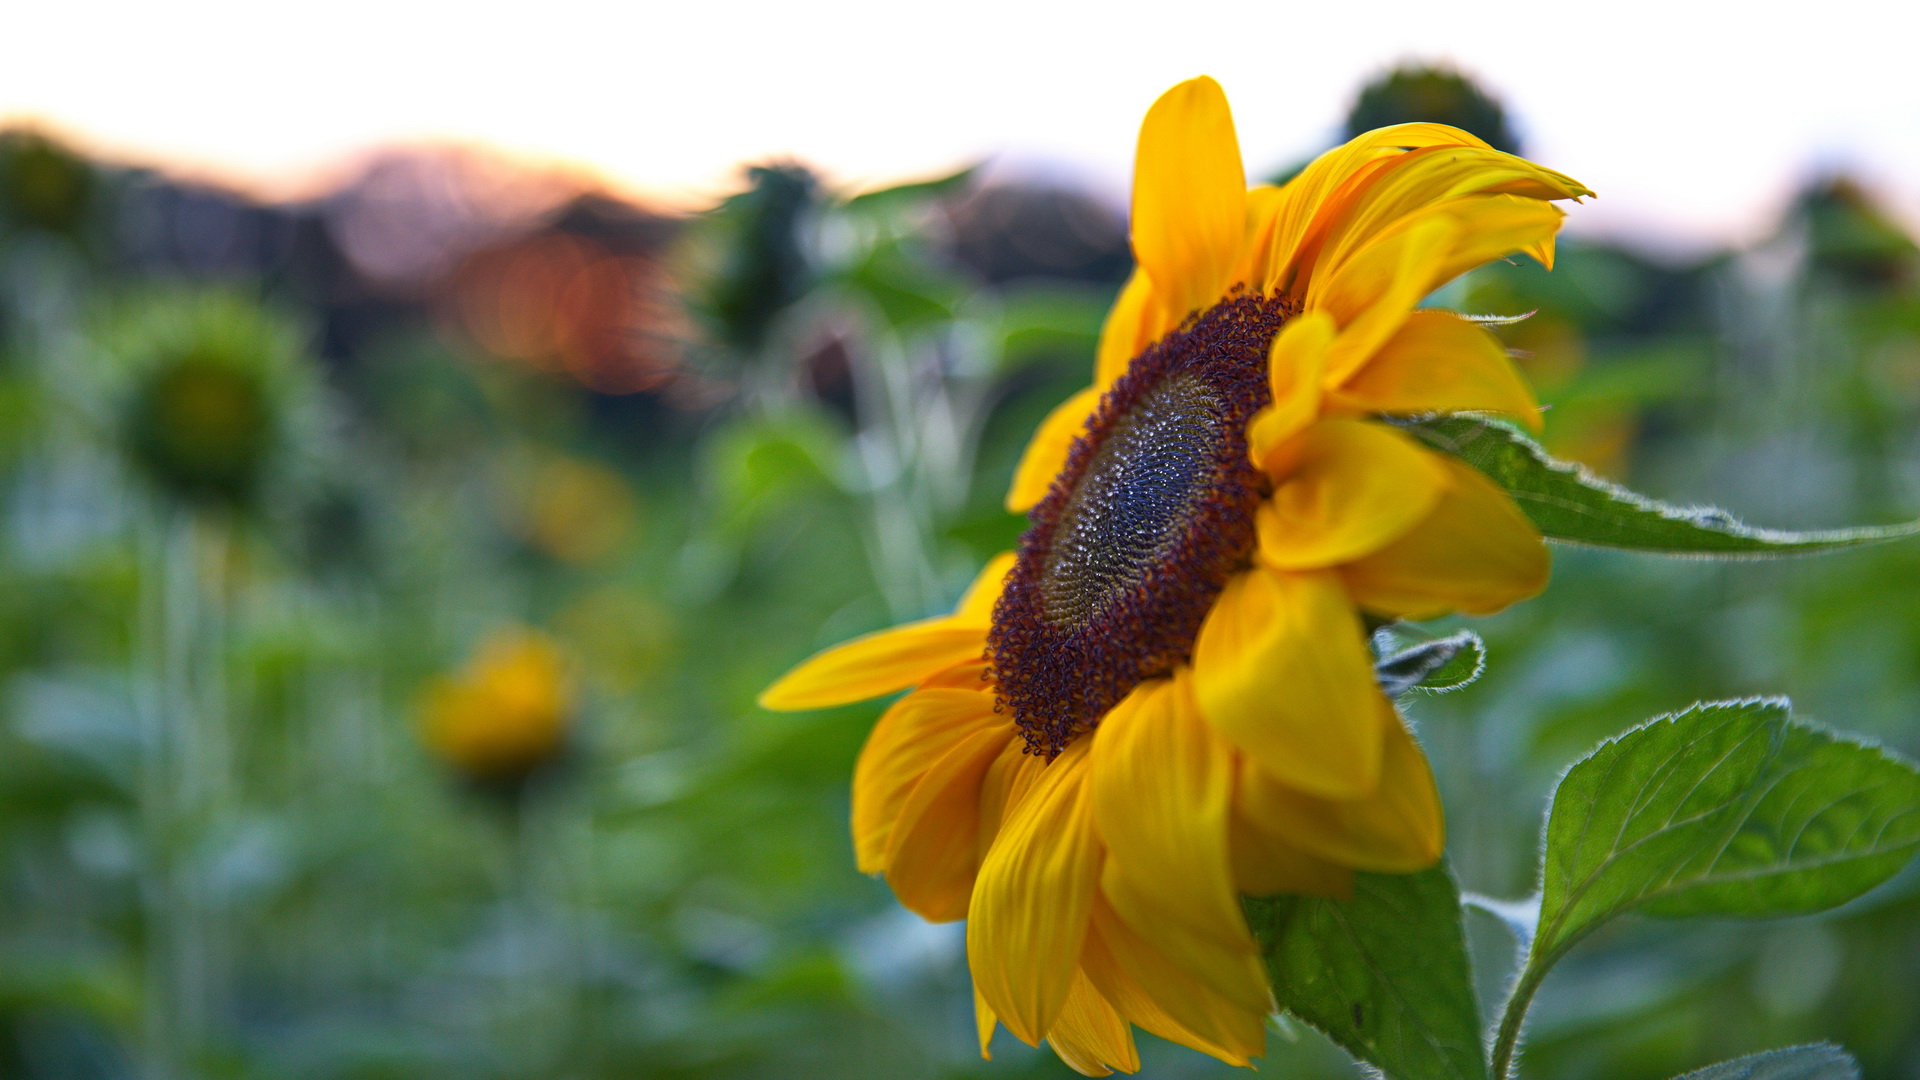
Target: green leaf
[(1818, 1061), (891, 197), (757, 465), (904, 288), (1725, 809), (1439, 665), (1384, 974), (1031, 324), (1570, 504)]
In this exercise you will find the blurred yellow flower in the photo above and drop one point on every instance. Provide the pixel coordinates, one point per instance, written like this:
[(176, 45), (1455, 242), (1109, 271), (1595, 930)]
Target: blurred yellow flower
[(506, 714), (573, 509), (1165, 699)]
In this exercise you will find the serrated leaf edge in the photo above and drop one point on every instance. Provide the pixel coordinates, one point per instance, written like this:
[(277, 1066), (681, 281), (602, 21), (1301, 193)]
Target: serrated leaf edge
[(1753, 799), (1710, 518), (1546, 821)]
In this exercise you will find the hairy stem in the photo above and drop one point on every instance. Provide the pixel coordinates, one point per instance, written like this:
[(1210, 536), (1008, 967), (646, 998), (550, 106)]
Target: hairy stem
[(1507, 1041)]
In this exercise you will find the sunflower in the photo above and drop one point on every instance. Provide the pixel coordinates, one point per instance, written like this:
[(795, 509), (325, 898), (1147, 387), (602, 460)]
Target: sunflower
[(506, 715), (214, 388), (1165, 700)]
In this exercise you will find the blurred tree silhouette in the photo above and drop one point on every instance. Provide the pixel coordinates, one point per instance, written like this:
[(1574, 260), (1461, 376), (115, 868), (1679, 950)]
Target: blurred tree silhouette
[(1433, 94), (766, 264), (1010, 231), (1852, 239), (43, 184)]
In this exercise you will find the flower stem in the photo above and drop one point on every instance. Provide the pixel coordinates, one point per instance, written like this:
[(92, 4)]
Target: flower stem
[(1507, 1041)]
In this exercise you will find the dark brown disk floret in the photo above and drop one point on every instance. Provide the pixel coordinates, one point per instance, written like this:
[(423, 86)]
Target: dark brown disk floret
[(1140, 531)]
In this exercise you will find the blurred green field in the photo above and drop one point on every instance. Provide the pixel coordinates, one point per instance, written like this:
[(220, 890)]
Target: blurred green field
[(273, 476)]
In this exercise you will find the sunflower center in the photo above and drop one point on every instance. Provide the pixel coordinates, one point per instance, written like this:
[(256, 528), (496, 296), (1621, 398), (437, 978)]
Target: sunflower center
[(1139, 487), (1141, 529)]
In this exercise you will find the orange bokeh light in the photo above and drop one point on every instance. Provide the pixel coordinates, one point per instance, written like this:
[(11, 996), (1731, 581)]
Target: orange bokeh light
[(565, 303)]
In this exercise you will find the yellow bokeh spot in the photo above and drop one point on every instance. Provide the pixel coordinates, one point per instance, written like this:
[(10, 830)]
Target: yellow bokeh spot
[(506, 713)]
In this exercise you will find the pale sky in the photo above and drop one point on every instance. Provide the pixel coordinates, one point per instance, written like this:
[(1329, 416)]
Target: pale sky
[(1692, 120)]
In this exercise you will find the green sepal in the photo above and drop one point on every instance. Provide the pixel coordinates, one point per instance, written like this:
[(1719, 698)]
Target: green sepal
[(1569, 504), (1384, 974), (1439, 665)]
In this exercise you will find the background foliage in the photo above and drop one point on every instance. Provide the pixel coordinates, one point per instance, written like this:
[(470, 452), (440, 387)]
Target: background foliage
[(271, 474)]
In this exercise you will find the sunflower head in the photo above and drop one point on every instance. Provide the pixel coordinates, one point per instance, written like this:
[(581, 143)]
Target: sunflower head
[(1149, 517), (1165, 700), (212, 388), (201, 425)]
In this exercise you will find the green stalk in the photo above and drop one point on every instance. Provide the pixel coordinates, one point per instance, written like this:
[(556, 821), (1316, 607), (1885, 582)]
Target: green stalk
[(1507, 1041)]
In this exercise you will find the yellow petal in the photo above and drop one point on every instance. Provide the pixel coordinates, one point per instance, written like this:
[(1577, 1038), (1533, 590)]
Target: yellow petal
[(1475, 553), (1397, 830), (1215, 1025), (1071, 1055), (976, 606), (1189, 196), (917, 731), (1264, 865), (1295, 363), (970, 675), (1090, 1035), (1310, 203), (1542, 251), (1134, 322), (1429, 177), (1046, 452), (1162, 787), (1492, 227), (933, 848), (896, 658), (1008, 781), (1372, 294), (1264, 205), (1281, 668), (1138, 1007), (1031, 903), (1440, 362), (876, 664), (1357, 487), (983, 1023)]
